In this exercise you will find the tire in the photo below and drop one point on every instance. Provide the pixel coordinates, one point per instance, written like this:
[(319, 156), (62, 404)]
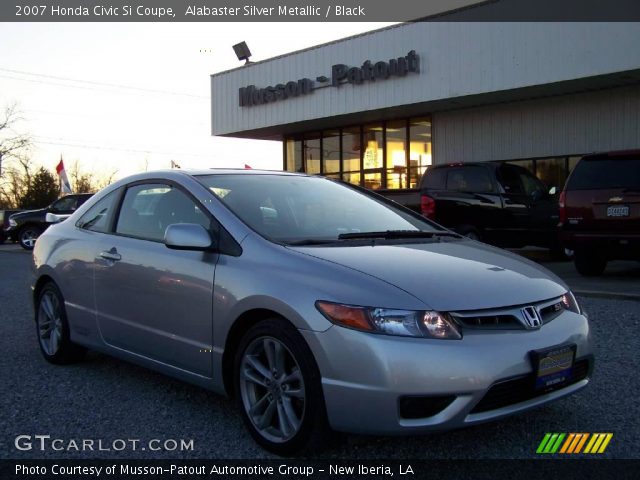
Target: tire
[(471, 233), (52, 328), (278, 389), (28, 235), (589, 264)]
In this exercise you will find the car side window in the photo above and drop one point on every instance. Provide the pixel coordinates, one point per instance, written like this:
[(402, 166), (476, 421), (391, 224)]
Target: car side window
[(435, 179), (469, 179), (65, 204), (531, 184), (510, 180), (147, 211), (96, 219)]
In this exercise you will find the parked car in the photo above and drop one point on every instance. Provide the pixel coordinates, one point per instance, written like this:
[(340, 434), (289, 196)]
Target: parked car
[(4, 223), (498, 203), (600, 210), (314, 304), (25, 227)]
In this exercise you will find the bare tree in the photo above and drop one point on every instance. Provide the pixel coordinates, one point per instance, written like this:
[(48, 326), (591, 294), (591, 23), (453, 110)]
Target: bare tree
[(16, 169), (12, 143), (85, 182)]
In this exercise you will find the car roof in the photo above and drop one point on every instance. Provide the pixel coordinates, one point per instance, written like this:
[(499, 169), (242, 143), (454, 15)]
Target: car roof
[(236, 171), (617, 153)]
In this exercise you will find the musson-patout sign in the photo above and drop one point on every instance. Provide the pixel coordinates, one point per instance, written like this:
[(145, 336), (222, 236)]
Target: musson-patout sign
[(340, 74)]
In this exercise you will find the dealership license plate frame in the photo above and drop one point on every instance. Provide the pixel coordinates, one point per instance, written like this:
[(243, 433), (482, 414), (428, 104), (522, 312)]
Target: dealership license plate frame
[(618, 211), (553, 366)]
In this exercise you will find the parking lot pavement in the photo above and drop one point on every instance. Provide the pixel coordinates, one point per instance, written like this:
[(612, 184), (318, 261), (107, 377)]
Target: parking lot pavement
[(105, 398), (621, 279)]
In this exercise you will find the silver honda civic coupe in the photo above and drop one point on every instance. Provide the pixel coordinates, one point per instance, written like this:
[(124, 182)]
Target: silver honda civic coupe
[(316, 304)]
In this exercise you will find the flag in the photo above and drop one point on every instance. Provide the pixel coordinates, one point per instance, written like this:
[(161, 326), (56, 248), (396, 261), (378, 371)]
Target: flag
[(247, 167), (65, 186)]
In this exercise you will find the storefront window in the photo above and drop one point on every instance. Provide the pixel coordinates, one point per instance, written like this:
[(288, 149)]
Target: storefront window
[(331, 152), (351, 155), (396, 138), (294, 155), (420, 156), (552, 171), (312, 153), (386, 155), (373, 158)]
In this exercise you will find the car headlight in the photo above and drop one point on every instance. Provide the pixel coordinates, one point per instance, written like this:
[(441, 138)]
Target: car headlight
[(12, 222), (406, 323), (570, 303)]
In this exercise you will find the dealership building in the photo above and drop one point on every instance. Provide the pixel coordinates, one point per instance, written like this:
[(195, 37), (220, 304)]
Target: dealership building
[(378, 109)]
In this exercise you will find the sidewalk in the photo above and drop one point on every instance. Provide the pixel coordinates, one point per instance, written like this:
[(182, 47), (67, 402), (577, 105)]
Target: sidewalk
[(621, 279)]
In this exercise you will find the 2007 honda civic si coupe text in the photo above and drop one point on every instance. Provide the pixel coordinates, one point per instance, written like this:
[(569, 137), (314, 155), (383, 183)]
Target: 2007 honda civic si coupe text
[(316, 304)]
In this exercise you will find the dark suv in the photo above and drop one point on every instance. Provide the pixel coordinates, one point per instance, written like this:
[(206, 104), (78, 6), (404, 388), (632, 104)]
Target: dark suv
[(26, 227), (600, 210), (498, 203)]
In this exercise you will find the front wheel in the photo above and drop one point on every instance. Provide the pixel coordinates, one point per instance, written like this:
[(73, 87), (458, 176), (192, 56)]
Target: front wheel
[(53, 328), (277, 384), (28, 236)]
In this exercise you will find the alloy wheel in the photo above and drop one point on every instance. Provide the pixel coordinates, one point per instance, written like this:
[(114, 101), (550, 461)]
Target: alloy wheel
[(50, 323), (272, 389), (28, 238)]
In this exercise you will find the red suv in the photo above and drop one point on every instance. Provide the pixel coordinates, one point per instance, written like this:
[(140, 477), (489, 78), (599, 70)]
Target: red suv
[(600, 210)]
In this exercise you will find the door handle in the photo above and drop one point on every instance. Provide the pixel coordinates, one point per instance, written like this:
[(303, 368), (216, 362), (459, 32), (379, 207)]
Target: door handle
[(112, 255)]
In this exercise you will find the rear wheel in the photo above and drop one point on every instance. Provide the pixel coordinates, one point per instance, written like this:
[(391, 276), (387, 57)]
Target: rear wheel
[(589, 263), (277, 384), (53, 328), (28, 236)]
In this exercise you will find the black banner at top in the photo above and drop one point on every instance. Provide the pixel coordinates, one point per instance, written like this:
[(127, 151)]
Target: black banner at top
[(318, 10)]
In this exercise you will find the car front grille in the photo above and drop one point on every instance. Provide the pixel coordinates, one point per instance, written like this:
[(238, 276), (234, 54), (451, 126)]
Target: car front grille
[(520, 389), (508, 318)]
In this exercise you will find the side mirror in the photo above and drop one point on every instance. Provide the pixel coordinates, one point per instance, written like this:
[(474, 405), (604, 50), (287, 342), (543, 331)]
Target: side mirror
[(53, 218), (553, 190), (188, 236)]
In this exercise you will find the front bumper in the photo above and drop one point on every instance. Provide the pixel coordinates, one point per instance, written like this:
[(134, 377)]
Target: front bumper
[(11, 234), (364, 376)]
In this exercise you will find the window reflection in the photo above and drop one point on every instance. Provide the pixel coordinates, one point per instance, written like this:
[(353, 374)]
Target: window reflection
[(420, 149), (294, 155), (396, 137), (351, 155), (312, 153), (331, 152)]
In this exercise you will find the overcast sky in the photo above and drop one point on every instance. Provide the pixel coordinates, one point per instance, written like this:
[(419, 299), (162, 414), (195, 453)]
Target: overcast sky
[(156, 106)]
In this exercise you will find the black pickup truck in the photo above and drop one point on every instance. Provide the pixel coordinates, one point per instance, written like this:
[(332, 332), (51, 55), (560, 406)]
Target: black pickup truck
[(26, 227), (498, 203)]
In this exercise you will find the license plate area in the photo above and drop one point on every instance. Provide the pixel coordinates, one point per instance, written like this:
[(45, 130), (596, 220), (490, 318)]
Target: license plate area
[(618, 211), (553, 367)]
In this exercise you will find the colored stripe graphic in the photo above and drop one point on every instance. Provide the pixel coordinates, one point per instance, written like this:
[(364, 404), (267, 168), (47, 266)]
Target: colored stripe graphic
[(574, 443)]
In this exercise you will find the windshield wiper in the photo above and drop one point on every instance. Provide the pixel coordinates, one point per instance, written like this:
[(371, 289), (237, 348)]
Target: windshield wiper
[(390, 234), (309, 241)]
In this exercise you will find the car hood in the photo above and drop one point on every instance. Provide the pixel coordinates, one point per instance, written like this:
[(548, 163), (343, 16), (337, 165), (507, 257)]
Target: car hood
[(449, 275), (27, 213)]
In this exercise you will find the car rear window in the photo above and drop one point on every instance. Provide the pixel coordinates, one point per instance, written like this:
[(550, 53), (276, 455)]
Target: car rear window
[(594, 173), (435, 179)]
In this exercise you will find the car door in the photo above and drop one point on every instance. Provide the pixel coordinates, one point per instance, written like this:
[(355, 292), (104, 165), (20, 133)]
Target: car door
[(516, 214), (151, 300)]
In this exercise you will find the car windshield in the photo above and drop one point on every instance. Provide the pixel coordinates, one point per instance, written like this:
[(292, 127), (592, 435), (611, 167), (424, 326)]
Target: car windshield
[(298, 209)]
